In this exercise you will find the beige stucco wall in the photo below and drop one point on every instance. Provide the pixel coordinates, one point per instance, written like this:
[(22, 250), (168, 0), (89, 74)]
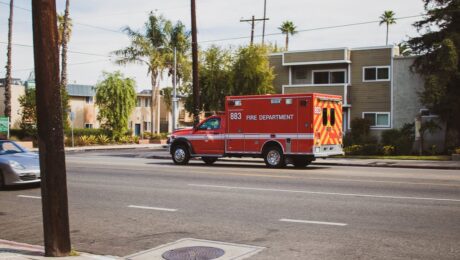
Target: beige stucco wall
[(281, 72), (84, 113), (312, 56), (369, 96), (16, 92)]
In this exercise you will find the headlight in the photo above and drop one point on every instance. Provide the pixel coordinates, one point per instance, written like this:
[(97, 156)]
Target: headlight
[(16, 165)]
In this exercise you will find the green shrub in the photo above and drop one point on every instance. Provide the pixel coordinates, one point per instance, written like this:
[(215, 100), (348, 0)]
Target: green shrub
[(355, 149), (83, 140), (402, 139), (360, 130), (135, 139), (371, 149), (103, 139), (388, 150), (147, 135), (92, 139), (24, 134), (125, 139), (85, 131)]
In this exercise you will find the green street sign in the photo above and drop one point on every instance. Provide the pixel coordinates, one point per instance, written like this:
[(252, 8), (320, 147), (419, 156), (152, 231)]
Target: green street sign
[(4, 124)]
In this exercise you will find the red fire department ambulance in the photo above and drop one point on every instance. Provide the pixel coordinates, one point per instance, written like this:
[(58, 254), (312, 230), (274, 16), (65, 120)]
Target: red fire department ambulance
[(288, 128)]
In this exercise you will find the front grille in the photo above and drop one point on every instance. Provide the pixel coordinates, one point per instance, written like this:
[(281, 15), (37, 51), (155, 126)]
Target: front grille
[(29, 177)]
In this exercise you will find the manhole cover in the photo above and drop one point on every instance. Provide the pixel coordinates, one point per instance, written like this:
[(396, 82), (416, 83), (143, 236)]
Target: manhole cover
[(193, 253)]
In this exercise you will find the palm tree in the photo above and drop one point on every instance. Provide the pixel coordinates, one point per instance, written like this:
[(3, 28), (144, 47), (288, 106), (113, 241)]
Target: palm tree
[(64, 32), (288, 27), (8, 80), (388, 18), (148, 48), (179, 38), (404, 49)]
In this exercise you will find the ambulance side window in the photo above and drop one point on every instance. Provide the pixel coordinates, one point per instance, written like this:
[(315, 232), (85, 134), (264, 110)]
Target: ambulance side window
[(324, 116), (332, 116), (210, 124)]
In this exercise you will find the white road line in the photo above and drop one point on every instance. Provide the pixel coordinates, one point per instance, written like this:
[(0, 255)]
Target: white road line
[(152, 208), (324, 193), (312, 222), (30, 197)]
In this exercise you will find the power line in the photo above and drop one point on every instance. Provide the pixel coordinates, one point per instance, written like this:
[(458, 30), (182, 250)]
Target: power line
[(312, 29), (76, 23), (70, 64), (74, 52)]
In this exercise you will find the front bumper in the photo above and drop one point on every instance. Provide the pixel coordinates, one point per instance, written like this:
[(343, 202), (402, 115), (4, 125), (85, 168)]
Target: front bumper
[(19, 177)]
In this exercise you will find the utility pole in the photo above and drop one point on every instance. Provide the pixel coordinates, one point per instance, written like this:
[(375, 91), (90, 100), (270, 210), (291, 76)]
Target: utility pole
[(174, 99), (265, 17), (50, 129), (253, 21), (196, 87)]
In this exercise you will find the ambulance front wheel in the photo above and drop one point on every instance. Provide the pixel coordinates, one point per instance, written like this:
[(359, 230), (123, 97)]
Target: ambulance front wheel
[(273, 157), (180, 155), (209, 160)]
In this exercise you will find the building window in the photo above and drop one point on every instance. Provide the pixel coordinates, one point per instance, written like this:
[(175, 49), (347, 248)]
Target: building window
[(139, 102), (146, 126), (376, 73), (90, 126), (378, 119), (329, 77), (147, 102), (89, 100)]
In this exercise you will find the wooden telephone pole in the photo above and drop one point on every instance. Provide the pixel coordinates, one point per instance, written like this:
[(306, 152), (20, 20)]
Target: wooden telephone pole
[(253, 23), (196, 87), (50, 129)]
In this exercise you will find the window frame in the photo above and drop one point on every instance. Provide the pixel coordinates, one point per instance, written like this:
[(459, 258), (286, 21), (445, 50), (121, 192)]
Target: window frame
[(89, 99), (379, 113), (329, 77), (376, 73), (89, 126)]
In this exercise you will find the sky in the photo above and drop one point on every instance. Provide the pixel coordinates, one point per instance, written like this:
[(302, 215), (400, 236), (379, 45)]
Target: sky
[(98, 24)]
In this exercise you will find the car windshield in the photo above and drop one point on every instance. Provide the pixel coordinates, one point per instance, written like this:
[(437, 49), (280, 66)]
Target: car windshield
[(8, 147)]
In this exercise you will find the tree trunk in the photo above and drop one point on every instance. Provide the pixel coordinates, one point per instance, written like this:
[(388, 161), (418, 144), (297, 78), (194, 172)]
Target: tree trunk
[(8, 80), (153, 81), (65, 38), (388, 28), (50, 131), (287, 41)]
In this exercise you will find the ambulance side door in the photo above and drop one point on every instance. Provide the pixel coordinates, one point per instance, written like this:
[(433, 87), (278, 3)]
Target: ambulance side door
[(210, 137)]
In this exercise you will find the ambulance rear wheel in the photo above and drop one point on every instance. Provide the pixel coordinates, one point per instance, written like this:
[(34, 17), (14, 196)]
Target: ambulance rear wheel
[(273, 157), (300, 162), (180, 155), (209, 160)]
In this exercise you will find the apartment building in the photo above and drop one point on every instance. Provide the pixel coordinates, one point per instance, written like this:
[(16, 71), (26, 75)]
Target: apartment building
[(374, 82), (17, 90)]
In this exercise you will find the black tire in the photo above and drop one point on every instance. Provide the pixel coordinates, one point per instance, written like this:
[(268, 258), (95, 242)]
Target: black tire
[(274, 157), (2, 181), (300, 162), (209, 160), (180, 155)]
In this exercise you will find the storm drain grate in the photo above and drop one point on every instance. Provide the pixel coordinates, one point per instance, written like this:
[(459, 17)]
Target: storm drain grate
[(194, 253)]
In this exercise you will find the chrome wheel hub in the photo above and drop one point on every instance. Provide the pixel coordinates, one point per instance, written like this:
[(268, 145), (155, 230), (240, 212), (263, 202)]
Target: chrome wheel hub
[(179, 155), (273, 157)]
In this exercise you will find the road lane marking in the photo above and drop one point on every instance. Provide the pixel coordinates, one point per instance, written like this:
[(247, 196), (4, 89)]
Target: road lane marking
[(323, 193), (312, 222), (30, 197), (152, 208)]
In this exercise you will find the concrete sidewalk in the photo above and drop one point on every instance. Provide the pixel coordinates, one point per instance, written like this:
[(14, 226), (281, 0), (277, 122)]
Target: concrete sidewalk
[(19, 251)]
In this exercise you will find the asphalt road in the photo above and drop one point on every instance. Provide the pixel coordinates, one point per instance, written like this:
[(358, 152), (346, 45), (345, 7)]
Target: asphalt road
[(121, 203)]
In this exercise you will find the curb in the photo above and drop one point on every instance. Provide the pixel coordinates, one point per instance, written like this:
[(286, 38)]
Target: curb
[(405, 166)]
